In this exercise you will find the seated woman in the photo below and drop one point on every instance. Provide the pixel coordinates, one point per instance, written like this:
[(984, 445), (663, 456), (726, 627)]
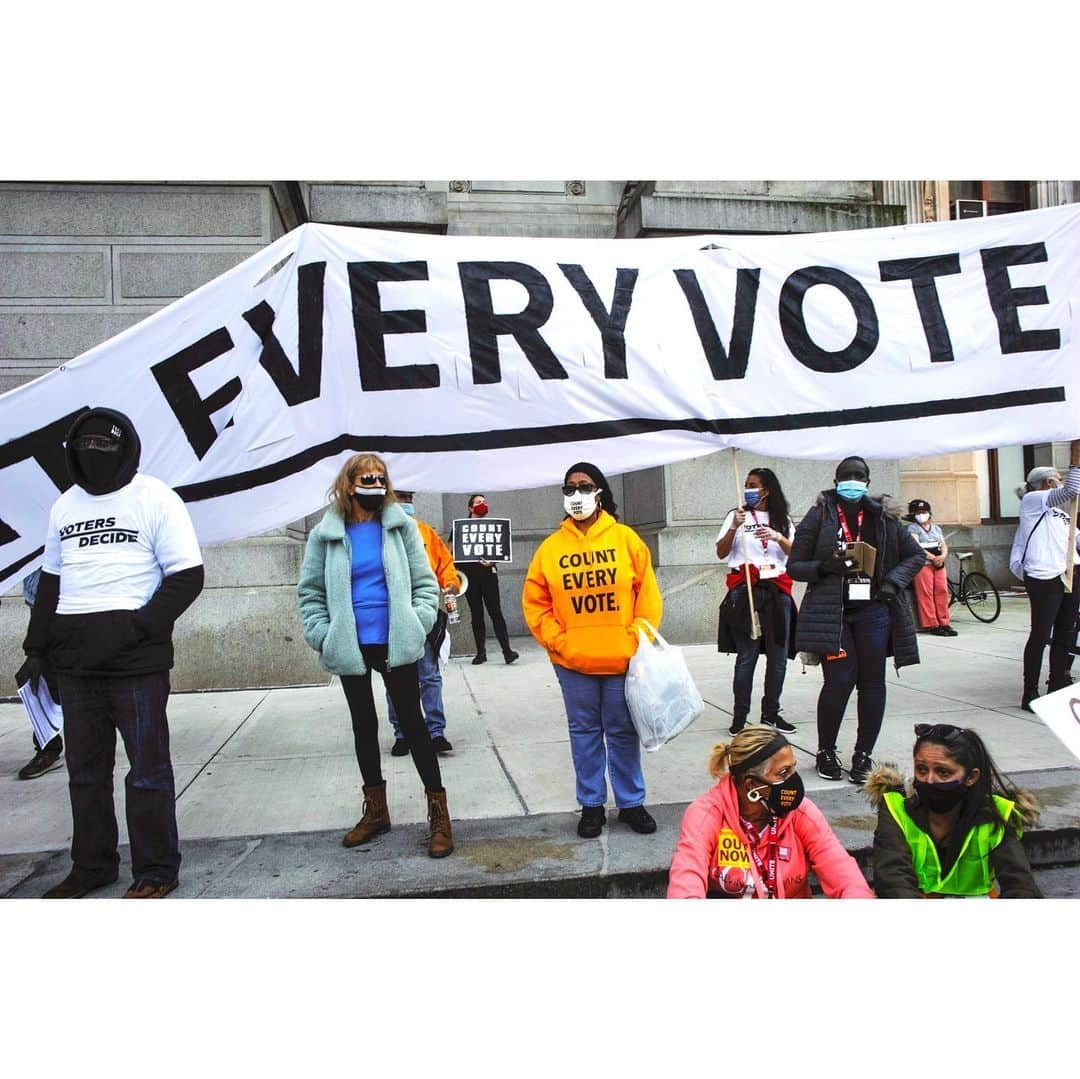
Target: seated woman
[(754, 835), (958, 832)]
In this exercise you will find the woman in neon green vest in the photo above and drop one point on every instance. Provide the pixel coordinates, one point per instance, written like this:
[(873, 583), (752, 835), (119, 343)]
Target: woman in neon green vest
[(957, 832)]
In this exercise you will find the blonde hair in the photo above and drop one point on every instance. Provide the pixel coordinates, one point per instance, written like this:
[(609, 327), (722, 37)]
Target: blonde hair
[(341, 490), (727, 756)]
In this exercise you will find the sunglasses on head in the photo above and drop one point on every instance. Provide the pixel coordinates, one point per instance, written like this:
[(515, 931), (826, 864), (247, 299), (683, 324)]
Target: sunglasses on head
[(370, 479), (945, 731), (105, 443), (584, 488)]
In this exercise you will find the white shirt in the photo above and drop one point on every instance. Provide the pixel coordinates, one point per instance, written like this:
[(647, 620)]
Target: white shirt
[(1046, 541), (770, 559), (111, 551)]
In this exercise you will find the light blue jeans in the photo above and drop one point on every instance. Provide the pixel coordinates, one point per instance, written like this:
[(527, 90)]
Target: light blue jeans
[(602, 737), (430, 696)]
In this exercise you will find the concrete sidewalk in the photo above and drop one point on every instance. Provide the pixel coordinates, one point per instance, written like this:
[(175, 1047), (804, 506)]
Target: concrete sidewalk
[(267, 781)]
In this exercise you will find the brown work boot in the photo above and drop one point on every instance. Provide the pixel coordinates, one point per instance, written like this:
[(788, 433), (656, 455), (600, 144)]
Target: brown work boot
[(376, 818), (441, 842)]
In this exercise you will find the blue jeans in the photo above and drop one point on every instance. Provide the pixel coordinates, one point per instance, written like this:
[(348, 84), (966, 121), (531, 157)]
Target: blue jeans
[(94, 710), (776, 660), (865, 638), (602, 736), (430, 696)]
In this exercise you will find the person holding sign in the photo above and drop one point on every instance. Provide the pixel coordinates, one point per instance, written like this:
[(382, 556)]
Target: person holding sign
[(957, 831), (367, 600), (931, 584), (759, 532), (588, 587), (857, 558), (484, 592), (1039, 559), (754, 835)]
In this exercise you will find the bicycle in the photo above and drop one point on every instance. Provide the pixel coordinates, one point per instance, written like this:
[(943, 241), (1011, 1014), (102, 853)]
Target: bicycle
[(976, 591)]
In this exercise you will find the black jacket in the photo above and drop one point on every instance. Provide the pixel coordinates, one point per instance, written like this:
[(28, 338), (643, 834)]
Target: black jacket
[(735, 614), (899, 559), (110, 643)]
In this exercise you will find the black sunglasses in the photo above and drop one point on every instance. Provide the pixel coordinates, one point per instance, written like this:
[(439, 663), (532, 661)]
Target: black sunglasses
[(945, 731), (584, 488), (370, 479)]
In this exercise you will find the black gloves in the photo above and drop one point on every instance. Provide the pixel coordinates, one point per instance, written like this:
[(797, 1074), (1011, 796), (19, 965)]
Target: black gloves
[(32, 671), (836, 563), (888, 593)]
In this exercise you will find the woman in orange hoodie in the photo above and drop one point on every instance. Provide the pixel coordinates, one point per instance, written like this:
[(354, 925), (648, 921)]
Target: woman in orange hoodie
[(754, 836), (589, 585)]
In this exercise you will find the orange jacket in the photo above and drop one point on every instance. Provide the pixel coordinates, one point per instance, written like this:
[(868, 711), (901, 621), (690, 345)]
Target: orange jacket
[(439, 556), (583, 592)]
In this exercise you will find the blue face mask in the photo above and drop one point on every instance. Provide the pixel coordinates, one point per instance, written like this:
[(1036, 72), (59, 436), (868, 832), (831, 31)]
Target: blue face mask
[(408, 508), (851, 490), (751, 497)]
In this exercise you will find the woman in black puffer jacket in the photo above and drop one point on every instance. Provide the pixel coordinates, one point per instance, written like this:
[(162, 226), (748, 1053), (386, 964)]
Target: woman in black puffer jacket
[(851, 621)]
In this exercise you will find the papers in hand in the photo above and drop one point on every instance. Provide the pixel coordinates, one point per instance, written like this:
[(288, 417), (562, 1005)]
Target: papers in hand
[(46, 716)]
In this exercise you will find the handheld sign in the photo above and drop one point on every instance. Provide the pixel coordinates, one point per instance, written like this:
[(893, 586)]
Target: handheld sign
[(487, 538)]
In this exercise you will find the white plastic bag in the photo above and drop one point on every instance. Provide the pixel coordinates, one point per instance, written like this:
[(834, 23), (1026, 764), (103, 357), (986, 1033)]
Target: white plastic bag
[(660, 693)]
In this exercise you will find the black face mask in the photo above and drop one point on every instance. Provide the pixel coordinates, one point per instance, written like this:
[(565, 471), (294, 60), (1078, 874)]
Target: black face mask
[(99, 470), (783, 797), (940, 797), (371, 501)]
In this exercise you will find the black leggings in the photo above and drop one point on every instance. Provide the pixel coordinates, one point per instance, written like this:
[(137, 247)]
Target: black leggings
[(484, 592), (1053, 620), (403, 685)]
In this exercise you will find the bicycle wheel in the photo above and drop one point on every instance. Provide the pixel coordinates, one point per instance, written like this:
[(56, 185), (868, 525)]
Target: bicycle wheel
[(981, 597)]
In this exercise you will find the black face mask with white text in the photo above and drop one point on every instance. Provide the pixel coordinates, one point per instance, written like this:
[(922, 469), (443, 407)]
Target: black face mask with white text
[(783, 797), (370, 499)]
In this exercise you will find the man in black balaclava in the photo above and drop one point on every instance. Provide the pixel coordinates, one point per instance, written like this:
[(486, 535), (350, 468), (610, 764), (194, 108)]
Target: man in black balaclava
[(121, 564)]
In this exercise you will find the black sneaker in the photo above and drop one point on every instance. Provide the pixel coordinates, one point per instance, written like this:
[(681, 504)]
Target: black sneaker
[(44, 760), (401, 748), (861, 767), (638, 818), (511, 656), (440, 744), (593, 819), (828, 765), (777, 722), (737, 725), (74, 887), (947, 631), (1025, 703), (480, 657)]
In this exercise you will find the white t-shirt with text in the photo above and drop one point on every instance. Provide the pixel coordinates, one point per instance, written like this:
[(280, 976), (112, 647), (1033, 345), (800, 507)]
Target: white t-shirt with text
[(770, 558), (111, 551)]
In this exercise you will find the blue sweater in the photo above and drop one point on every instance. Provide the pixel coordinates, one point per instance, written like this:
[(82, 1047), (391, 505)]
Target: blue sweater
[(370, 598)]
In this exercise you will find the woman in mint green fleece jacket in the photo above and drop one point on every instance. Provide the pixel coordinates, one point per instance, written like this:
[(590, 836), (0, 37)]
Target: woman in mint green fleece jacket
[(368, 598)]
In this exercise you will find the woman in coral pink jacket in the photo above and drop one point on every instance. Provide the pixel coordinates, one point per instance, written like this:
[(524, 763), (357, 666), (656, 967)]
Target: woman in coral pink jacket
[(754, 835)]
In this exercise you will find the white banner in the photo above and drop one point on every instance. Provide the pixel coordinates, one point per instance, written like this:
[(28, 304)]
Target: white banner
[(484, 363), (1060, 711)]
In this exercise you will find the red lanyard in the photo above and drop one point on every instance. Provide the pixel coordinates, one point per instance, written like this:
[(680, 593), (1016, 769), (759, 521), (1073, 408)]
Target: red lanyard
[(767, 875), (844, 525), (764, 542)]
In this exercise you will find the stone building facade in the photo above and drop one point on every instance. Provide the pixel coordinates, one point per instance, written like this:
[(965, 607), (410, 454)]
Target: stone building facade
[(81, 262)]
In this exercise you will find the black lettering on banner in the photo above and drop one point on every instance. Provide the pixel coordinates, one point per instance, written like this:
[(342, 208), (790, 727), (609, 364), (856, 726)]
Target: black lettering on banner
[(611, 324), (302, 383), (730, 362), (921, 273), (485, 327), (193, 412), (1005, 299), (793, 324), (45, 446), (371, 324)]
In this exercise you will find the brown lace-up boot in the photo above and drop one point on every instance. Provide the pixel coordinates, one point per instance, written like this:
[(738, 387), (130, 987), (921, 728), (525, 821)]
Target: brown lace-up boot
[(376, 818), (441, 842)]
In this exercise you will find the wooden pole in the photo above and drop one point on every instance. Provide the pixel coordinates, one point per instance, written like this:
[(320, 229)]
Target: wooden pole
[(755, 625), (1067, 576)]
